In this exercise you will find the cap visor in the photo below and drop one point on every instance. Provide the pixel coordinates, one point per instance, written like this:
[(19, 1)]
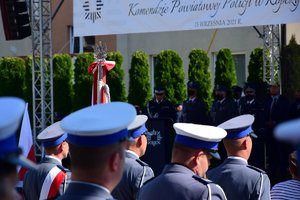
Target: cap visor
[(22, 161), (215, 155), (253, 135)]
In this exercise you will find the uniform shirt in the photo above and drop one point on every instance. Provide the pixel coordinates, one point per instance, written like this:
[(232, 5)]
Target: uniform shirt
[(241, 181), (78, 190), (179, 182), (286, 190), (193, 111), (222, 111), (37, 183), (136, 173)]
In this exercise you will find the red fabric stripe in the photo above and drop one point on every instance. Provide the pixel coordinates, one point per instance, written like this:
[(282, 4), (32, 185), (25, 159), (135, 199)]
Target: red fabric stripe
[(55, 184), (23, 170)]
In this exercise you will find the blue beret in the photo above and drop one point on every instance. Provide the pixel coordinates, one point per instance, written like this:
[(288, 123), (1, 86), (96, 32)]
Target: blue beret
[(239, 127), (199, 136), (100, 124)]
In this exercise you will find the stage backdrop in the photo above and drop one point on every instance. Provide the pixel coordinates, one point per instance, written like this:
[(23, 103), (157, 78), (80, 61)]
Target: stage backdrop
[(102, 17)]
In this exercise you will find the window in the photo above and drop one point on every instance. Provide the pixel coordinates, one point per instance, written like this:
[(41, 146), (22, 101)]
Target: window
[(240, 68), (152, 66)]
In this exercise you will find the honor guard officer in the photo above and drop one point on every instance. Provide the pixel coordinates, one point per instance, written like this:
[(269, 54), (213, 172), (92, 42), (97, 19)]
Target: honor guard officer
[(11, 113), (97, 136), (234, 175), (159, 107), (183, 178), (51, 178), (136, 172)]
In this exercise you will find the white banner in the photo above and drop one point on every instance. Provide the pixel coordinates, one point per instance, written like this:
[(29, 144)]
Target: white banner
[(103, 17)]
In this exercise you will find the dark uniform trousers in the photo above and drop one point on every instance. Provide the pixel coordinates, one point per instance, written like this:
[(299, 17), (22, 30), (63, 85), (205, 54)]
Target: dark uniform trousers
[(241, 181), (85, 191), (34, 179), (136, 173), (179, 182)]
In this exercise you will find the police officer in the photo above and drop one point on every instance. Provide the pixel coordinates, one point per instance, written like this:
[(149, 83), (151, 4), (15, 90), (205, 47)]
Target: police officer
[(51, 178), (136, 172), (11, 112), (97, 136), (237, 95), (238, 179), (193, 109), (250, 105), (223, 108), (183, 178), (159, 107)]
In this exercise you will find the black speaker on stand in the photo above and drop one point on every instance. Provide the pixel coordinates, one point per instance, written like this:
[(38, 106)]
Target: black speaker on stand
[(15, 19)]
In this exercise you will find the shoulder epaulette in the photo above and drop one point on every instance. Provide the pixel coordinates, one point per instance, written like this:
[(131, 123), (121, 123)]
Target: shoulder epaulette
[(202, 180), (141, 162), (256, 169)]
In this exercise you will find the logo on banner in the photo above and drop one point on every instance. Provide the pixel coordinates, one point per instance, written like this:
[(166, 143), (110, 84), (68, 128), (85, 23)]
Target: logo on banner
[(154, 138), (92, 10)]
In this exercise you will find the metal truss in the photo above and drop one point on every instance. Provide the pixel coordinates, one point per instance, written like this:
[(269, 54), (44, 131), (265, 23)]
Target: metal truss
[(271, 70), (42, 71)]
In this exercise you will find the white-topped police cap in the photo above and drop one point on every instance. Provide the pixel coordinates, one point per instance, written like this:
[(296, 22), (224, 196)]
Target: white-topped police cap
[(288, 131), (199, 136), (138, 127), (239, 127), (100, 124), (11, 113), (53, 135)]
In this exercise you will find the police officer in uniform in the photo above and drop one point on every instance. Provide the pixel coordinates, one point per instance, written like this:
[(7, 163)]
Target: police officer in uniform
[(97, 136), (11, 113), (223, 108), (238, 179), (159, 107), (193, 109), (136, 172), (250, 105), (237, 96), (183, 178), (50, 180)]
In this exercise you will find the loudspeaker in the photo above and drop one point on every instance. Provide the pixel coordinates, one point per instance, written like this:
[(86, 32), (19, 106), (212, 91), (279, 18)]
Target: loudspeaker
[(15, 19)]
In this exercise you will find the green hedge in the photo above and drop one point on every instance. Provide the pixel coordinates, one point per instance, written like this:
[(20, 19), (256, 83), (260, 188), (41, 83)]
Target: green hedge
[(291, 68), (169, 73), (115, 78), (12, 77), (225, 73), (255, 67), (62, 84), (199, 72), (139, 81), (83, 81)]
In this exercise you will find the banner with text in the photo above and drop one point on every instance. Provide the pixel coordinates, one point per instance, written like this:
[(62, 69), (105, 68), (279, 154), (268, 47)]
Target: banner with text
[(103, 17)]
